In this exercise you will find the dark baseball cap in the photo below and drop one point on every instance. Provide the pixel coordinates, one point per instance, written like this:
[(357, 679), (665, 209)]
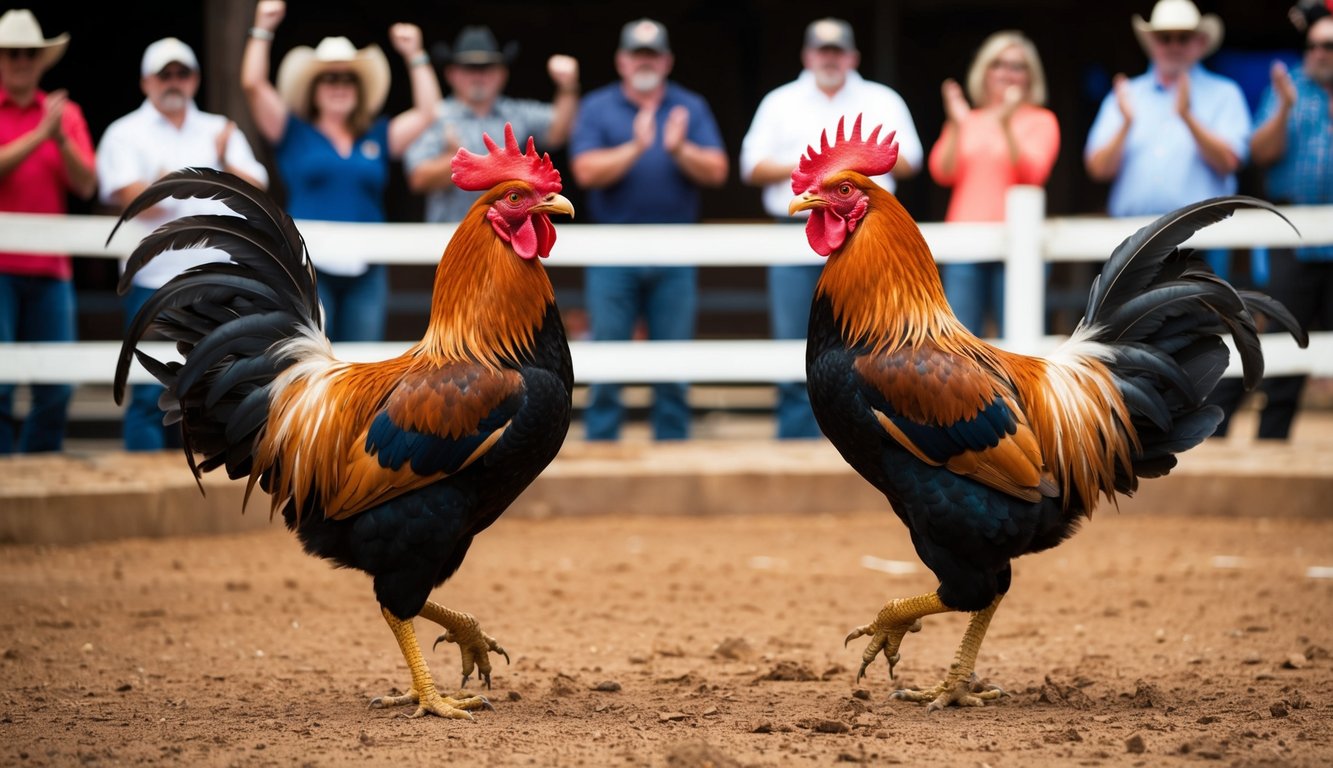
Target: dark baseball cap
[(644, 34), (830, 33)]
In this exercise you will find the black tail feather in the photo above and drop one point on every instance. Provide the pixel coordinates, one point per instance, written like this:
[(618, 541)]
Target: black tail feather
[(225, 317), (1163, 312)]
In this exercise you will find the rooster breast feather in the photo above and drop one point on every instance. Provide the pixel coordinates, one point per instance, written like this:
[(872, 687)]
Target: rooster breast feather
[(373, 433), (953, 411)]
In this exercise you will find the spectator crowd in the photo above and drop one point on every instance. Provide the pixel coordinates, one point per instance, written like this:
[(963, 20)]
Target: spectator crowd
[(642, 149)]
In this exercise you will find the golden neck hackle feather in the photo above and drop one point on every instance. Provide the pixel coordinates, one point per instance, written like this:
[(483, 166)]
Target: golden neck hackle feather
[(883, 284), (494, 312)]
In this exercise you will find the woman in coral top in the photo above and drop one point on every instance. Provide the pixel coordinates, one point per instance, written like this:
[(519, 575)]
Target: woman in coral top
[(1009, 138)]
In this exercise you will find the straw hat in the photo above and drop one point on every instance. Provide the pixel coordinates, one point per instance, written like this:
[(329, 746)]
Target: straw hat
[(19, 29), (303, 64), (1179, 16)]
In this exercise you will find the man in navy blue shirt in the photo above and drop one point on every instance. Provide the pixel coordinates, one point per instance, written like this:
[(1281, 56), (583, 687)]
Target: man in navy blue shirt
[(642, 147)]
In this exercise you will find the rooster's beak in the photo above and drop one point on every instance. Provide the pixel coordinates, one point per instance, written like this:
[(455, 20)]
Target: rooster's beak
[(554, 203), (805, 202)]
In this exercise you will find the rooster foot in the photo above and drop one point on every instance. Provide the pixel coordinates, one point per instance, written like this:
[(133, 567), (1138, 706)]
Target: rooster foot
[(435, 704), (882, 638), (475, 646), (955, 690)]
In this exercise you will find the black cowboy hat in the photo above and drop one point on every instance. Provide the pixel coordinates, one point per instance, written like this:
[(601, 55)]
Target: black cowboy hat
[(474, 45)]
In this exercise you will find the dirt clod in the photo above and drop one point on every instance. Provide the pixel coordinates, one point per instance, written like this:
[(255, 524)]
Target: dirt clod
[(1064, 695), (1135, 745), (1148, 695), (790, 671)]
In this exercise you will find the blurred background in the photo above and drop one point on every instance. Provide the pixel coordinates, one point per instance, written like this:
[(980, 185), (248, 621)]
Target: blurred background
[(732, 53)]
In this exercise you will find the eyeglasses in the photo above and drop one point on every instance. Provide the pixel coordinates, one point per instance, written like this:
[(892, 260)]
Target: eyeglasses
[(1179, 38), (21, 53), (1009, 66), (337, 78), (175, 74), (1320, 45)]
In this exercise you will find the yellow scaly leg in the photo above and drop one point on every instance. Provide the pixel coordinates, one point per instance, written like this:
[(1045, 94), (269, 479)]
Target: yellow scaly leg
[(476, 646), (898, 617), (422, 693), (957, 686)]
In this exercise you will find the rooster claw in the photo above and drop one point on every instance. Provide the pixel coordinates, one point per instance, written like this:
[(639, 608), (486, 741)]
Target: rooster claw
[(485, 678), (881, 640)]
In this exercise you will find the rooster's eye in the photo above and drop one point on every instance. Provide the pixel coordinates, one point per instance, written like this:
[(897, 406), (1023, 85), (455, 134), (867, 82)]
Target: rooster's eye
[(513, 198), (845, 189)]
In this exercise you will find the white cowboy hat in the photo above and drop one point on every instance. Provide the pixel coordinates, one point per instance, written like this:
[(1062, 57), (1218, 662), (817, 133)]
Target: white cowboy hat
[(1179, 16), (19, 29), (303, 64)]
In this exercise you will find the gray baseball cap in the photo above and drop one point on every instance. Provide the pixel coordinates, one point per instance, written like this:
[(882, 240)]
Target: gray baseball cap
[(830, 33), (644, 34)]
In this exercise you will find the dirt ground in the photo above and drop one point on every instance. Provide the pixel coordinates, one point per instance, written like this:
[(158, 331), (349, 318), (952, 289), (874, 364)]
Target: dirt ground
[(677, 642)]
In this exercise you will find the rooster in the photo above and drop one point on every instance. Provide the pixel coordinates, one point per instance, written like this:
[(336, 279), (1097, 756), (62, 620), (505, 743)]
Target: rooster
[(389, 467), (987, 455)]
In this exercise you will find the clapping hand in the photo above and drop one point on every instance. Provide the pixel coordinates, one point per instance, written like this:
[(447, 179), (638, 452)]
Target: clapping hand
[(53, 111), (1183, 95), (645, 126), (956, 108), (677, 123), (1123, 98), (1282, 84)]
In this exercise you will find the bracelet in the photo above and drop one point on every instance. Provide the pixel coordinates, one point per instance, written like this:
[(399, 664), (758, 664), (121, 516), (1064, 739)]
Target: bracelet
[(259, 33), (421, 57)]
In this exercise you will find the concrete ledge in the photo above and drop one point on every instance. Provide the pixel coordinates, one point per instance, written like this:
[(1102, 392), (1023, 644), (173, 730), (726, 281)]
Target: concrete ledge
[(73, 498)]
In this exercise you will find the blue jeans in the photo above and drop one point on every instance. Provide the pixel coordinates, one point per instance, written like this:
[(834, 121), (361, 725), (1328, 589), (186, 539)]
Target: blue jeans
[(973, 291), (667, 298), (355, 307), (36, 309), (791, 289), (142, 429)]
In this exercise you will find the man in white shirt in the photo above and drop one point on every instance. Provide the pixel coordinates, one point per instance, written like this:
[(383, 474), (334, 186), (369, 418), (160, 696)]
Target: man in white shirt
[(789, 119), (166, 133)]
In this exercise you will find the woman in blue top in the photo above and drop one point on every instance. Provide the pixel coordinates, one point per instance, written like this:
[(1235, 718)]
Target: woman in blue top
[(333, 146)]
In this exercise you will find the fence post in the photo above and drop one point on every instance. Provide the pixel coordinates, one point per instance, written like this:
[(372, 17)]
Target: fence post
[(1024, 269)]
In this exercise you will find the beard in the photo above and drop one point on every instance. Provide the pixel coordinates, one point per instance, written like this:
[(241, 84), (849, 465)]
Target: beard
[(645, 81), (172, 101), (829, 79)]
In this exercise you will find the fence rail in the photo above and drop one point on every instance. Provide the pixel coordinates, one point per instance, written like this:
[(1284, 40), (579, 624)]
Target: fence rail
[(1025, 241)]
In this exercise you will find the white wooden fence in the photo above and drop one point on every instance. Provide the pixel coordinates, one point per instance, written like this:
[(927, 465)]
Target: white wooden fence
[(1024, 242)]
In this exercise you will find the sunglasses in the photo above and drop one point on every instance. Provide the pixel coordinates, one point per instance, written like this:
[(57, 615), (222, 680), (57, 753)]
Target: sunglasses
[(1167, 38), (175, 74), (1320, 45), (337, 78), (21, 53)]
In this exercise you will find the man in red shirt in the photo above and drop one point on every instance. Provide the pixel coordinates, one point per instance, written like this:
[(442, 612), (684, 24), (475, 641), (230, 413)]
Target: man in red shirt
[(45, 154)]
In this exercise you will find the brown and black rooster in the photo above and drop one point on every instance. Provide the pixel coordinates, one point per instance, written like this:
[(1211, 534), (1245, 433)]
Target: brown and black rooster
[(984, 454), (389, 467)]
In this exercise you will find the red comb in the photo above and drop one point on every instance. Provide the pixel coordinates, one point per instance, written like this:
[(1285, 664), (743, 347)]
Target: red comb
[(852, 153), (481, 172)]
